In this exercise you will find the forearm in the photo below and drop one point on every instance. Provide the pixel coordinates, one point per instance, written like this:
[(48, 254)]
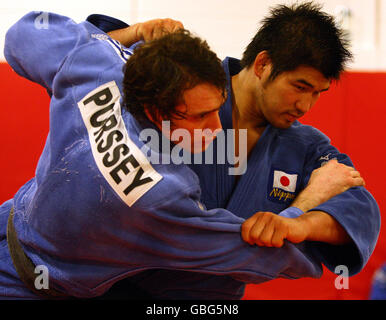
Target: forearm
[(146, 31), (308, 199), (324, 228), (126, 36)]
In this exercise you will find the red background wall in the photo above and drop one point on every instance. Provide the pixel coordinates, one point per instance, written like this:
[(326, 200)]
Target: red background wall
[(351, 113)]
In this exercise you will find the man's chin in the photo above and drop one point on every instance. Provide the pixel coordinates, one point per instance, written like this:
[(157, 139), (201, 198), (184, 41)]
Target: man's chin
[(200, 147), (283, 124)]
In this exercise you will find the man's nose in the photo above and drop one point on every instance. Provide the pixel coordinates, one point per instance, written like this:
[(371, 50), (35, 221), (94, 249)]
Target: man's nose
[(305, 103), (214, 122)]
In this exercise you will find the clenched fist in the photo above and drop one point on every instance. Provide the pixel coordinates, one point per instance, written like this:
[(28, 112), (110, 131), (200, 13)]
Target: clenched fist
[(269, 229)]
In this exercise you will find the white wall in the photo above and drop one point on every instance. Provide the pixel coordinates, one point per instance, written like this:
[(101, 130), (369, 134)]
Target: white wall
[(227, 25)]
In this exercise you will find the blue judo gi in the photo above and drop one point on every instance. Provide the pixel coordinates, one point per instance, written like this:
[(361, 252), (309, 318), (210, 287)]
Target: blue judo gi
[(97, 211)]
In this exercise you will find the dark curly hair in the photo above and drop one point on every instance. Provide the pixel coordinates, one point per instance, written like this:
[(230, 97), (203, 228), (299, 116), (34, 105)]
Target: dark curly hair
[(159, 72), (300, 34)]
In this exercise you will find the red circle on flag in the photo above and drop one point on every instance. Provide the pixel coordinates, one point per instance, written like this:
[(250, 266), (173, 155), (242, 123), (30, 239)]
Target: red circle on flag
[(284, 181)]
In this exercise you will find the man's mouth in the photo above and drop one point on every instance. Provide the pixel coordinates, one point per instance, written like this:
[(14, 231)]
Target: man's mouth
[(291, 117)]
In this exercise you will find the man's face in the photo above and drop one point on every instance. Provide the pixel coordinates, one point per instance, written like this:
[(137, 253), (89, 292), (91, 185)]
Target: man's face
[(290, 95), (201, 106)]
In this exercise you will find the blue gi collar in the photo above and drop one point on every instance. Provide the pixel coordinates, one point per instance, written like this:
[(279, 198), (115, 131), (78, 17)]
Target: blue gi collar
[(106, 23)]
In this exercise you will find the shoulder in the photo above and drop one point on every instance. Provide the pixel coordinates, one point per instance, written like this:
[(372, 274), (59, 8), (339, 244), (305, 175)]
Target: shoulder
[(96, 51), (304, 134), (93, 64)]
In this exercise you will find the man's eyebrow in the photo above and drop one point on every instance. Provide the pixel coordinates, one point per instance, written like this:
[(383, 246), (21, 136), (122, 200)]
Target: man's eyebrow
[(205, 112), (305, 83), (310, 85)]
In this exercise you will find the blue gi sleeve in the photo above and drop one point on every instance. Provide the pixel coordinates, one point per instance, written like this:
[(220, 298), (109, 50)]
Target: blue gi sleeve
[(180, 234), (29, 44), (356, 210)]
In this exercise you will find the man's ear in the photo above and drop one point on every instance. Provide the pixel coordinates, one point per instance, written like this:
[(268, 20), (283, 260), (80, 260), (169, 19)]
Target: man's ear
[(261, 63)]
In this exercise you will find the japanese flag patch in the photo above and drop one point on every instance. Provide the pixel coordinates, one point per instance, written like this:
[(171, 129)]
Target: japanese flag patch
[(284, 181), (282, 186)]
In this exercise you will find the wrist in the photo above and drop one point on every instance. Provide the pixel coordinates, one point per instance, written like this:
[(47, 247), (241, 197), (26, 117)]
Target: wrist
[(126, 36), (305, 223)]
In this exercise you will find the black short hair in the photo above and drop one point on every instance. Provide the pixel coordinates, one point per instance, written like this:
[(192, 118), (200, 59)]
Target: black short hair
[(159, 72), (300, 34)]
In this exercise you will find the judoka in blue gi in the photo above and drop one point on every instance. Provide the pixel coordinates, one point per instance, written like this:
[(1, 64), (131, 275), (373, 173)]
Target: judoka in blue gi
[(292, 59), (97, 210)]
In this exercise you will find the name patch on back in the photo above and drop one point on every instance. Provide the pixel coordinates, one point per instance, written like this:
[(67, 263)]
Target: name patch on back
[(121, 162)]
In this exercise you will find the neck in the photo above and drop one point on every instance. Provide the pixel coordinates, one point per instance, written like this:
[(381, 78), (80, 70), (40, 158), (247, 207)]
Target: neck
[(246, 112)]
